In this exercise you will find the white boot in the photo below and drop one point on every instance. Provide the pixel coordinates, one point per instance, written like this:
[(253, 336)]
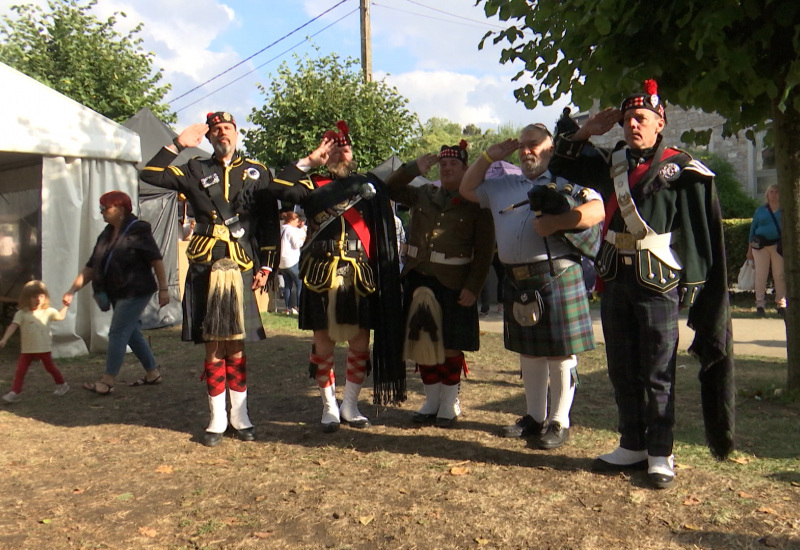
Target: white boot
[(349, 409), (330, 409), (433, 397), (239, 417), (449, 408), (218, 422)]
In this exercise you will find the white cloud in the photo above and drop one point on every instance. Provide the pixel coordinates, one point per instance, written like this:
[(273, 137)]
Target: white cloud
[(485, 101)]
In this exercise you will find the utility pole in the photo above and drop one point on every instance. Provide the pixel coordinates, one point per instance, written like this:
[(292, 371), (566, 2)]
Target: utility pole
[(366, 43)]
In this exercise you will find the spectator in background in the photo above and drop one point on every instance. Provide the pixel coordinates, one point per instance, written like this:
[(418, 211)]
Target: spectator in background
[(292, 238), (764, 250)]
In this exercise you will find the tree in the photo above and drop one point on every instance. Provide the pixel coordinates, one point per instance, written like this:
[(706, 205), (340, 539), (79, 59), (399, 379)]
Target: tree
[(439, 131), (70, 50), (302, 104), (738, 59)]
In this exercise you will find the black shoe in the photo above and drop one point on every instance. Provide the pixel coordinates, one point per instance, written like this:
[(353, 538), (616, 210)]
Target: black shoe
[(661, 481), (445, 422), (211, 439), (554, 436), (360, 423), (422, 418), (330, 427), (760, 312), (247, 434), (523, 427), (782, 312), (600, 466)]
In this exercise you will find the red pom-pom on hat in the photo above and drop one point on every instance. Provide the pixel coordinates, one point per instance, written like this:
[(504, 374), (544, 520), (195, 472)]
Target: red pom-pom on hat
[(463, 144), (342, 125), (650, 87)]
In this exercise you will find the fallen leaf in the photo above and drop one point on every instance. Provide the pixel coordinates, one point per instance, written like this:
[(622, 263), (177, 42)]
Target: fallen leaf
[(691, 500), (259, 498), (148, 531), (459, 471), (262, 534), (125, 496), (164, 469), (366, 520), (741, 460), (767, 510), (481, 542), (690, 527), (742, 494), (320, 462), (402, 491), (45, 521), (77, 491), (795, 483)]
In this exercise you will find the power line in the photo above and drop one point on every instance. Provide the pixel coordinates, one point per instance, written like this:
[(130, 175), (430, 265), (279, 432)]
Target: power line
[(259, 52), (266, 62), (483, 22)]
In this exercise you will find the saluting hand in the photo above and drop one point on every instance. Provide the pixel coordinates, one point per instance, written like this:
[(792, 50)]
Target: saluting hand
[(501, 150), (193, 135), (319, 156), (599, 123), (426, 162)]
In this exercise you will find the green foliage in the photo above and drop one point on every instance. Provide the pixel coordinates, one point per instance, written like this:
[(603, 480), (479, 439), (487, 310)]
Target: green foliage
[(303, 103), (738, 59), (734, 201), (441, 131), (70, 50)]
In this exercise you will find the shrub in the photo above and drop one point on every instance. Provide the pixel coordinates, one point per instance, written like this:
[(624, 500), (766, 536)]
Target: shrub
[(734, 201)]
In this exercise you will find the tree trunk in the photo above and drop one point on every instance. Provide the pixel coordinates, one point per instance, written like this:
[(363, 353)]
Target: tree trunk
[(787, 157)]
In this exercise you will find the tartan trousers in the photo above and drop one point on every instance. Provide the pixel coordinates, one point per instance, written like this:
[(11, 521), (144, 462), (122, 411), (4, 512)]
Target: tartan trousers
[(640, 327)]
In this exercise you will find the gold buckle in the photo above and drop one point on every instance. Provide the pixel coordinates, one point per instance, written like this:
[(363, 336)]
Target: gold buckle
[(625, 241), (222, 232), (520, 272)]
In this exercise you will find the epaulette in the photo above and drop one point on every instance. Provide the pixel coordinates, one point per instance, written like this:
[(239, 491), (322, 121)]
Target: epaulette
[(257, 163)]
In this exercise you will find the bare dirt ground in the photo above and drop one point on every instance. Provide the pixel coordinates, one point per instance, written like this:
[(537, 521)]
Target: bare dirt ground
[(127, 471)]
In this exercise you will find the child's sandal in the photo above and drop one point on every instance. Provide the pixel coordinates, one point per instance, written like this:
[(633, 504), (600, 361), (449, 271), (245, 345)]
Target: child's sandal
[(94, 389)]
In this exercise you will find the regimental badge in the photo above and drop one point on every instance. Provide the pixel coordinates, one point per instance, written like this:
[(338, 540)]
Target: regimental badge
[(251, 173), (654, 100), (670, 171), (208, 181), (624, 199), (524, 297), (227, 117)]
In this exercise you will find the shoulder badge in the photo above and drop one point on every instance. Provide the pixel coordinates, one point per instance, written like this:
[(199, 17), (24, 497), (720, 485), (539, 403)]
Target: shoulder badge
[(670, 171), (251, 173)]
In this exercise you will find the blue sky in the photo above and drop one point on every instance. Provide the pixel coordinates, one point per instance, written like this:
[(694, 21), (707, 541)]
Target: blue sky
[(427, 49)]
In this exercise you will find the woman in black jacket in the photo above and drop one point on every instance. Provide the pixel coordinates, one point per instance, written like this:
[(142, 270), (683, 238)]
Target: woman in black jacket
[(121, 268)]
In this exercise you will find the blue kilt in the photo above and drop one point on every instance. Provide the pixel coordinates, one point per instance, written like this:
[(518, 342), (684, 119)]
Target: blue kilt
[(461, 330), (195, 300), (565, 327)]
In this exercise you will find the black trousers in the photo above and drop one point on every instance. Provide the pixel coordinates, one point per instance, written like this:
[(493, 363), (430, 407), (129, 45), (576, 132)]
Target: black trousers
[(641, 333)]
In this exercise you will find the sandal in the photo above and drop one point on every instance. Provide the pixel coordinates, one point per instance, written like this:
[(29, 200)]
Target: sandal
[(143, 381), (94, 389)]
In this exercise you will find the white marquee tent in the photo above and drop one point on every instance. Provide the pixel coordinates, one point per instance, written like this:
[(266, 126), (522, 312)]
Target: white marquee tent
[(57, 158)]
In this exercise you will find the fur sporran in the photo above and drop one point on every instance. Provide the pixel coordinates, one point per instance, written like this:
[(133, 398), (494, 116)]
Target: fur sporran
[(225, 307)]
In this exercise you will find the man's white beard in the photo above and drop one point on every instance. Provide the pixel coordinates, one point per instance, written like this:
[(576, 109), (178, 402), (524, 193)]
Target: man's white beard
[(533, 168), (222, 150)]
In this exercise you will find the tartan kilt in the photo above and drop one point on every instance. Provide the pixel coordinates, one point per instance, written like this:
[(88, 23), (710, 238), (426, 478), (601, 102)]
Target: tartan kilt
[(461, 330), (195, 300), (566, 325)]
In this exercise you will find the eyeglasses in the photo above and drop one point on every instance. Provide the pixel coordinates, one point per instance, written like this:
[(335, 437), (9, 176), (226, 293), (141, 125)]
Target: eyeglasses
[(103, 208)]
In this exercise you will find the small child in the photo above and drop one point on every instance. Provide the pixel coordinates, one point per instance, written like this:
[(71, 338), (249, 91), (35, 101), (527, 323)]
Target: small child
[(33, 318)]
